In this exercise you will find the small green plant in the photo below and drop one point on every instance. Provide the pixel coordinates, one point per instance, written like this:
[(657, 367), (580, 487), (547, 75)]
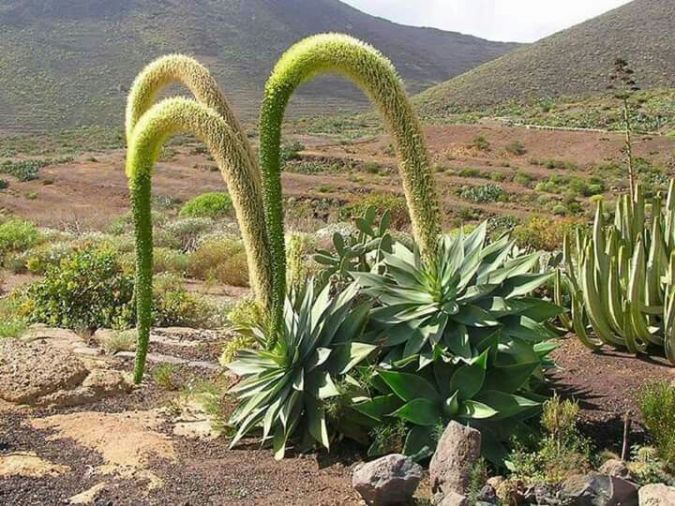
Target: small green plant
[(393, 204), (483, 194), (12, 324), (516, 148), (4, 184), (222, 259), (480, 143), (657, 405), (291, 152), (23, 170), (121, 340), (166, 376), (562, 452), (174, 306), (15, 236), (208, 205)]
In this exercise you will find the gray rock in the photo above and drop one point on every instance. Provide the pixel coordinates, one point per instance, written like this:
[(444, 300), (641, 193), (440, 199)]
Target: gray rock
[(388, 480), (657, 495), (615, 467), (488, 495), (599, 490), (453, 499), (457, 452)]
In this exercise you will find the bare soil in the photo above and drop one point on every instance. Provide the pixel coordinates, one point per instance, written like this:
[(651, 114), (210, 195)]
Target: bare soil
[(90, 194)]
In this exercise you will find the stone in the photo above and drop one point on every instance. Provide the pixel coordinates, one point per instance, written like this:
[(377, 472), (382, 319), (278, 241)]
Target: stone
[(488, 494), (29, 370), (453, 499), (456, 454), (392, 479), (88, 496), (657, 495), (495, 481), (615, 467), (29, 465), (598, 490)]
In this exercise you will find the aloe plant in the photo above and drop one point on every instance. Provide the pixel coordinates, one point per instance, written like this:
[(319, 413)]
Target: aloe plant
[(231, 152), (372, 72), (621, 276), (456, 300), (287, 389)]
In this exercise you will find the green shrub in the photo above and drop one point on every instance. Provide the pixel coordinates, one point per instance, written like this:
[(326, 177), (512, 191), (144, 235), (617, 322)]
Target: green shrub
[(87, 290), (4, 184), (516, 148), (290, 152), (17, 235), (171, 261), (482, 194), (394, 204), (174, 306), (166, 376), (480, 143), (221, 259), (23, 170), (657, 405), (542, 233), (182, 234), (561, 453), (12, 324), (208, 205), (522, 178), (246, 314)]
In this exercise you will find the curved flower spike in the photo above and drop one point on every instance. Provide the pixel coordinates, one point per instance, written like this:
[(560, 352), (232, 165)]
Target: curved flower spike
[(176, 115), (376, 76)]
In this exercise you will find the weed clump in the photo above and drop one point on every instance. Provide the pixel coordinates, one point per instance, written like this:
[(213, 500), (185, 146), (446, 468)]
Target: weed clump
[(657, 404), (208, 205)]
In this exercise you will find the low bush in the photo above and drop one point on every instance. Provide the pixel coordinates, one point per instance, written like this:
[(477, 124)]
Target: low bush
[(208, 205), (220, 259), (183, 234), (483, 194), (12, 324), (16, 236), (23, 170), (171, 261), (395, 204), (87, 290), (480, 143), (516, 148), (174, 306), (561, 453), (541, 233), (657, 405)]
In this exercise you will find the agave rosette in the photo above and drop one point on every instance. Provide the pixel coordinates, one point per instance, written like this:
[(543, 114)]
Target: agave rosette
[(477, 392), (286, 389), (455, 302)]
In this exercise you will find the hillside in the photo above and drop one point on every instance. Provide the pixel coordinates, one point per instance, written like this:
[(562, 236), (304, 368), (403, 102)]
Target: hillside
[(575, 61), (66, 63)]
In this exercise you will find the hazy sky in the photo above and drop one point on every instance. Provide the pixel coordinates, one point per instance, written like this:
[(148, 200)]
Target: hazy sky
[(507, 20)]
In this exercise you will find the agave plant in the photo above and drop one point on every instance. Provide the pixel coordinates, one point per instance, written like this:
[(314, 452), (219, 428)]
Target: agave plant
[(286, 390), (454, 302), (481, 392), (621, 276), (357, 253)]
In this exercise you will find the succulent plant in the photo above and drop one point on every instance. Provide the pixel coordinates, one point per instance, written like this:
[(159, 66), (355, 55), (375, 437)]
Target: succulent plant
[(285, 391), (480, 392), (621, 276), (456, 301)]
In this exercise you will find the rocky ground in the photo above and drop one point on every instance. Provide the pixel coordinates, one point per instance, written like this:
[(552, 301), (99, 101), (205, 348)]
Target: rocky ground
[(73, 430)]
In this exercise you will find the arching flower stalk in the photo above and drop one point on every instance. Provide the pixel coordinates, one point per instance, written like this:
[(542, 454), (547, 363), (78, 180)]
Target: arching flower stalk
[(232, 154), (376, 76)]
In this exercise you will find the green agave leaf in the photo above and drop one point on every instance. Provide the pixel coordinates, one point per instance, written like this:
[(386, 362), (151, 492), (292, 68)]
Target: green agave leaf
[(474, 316), (409, 386), (468, 379), (420, 412), (524, 284), (510, 378), (379, 407), (476, 410), (505, 405), (316, 417), (346, 356), (419, 443)]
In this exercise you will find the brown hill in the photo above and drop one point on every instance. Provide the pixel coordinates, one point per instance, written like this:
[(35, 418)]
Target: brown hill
[(572, 62), (65, 63)]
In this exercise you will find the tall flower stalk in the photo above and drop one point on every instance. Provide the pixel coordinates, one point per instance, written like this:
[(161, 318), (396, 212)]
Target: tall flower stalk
[(233, 155), (376, 76)]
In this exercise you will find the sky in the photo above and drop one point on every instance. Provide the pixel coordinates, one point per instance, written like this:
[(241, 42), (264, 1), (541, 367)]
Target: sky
[(503, 20)]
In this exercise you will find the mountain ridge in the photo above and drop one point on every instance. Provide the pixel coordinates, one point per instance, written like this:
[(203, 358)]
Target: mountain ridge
[(65, 64)]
